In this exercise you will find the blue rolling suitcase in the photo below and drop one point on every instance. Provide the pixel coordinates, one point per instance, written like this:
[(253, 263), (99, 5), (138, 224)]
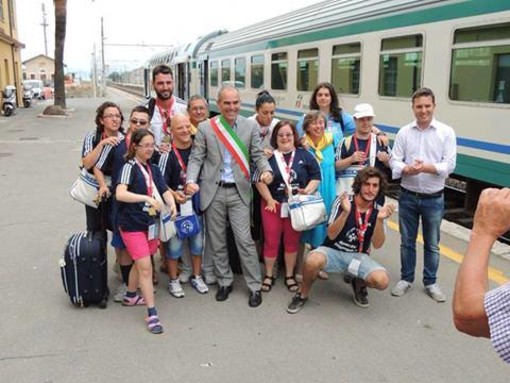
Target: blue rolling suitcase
[(84, 269)]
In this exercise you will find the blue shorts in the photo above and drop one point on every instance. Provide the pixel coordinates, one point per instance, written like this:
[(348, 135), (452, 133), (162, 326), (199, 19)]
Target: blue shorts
[(117, 241), (175, 247), (357, 264)]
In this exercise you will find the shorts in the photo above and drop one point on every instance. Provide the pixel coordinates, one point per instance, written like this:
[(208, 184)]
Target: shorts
[(117, 241), (357, 264), (138, 245), (175, 247)]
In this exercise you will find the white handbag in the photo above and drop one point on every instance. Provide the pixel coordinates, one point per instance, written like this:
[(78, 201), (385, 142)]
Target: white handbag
[(306, 211), (86, 187)]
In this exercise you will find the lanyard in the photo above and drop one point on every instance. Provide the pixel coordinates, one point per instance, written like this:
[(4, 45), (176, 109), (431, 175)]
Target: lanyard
[(361, 226), (147, 174), (367, 149), (181, 163), (288, 166), (165, 115)]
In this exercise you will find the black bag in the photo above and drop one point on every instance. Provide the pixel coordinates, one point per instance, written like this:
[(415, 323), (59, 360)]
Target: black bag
[(84, 269)]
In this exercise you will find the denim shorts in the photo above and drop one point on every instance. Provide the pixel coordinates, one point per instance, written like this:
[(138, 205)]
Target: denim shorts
[(175, 247), (357, 264)]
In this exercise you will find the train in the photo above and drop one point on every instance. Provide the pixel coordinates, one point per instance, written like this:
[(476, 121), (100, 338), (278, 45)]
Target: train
[(377, 52)]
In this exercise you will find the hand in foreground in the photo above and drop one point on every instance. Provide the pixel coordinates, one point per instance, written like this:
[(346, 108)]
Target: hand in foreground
[(266, 177), (346, 204), (191, 188), (271, 206), (492, 216)]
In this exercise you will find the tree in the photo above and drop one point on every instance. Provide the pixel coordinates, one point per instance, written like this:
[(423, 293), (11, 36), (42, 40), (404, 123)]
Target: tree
[(60, 37)]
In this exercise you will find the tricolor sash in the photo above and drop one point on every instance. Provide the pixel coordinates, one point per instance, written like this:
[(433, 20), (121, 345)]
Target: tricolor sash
[(233, 143)]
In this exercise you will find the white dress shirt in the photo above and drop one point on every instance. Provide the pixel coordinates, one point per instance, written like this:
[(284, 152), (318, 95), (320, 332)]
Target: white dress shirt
[(434, 145)]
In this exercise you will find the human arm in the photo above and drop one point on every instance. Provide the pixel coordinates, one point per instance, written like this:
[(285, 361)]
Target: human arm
[(492, 218), (379, 237), (104, 190), (266, 195), (342, 208), (196, 159), (170, 202), (124, 195), (91, 155)]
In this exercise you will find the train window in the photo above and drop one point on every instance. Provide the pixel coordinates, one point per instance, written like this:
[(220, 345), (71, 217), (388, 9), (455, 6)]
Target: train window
[(307, 69), (240, 72), (213, 73), (225, 70), (279, 66), (257, 71), (345, 67), (400, 65), (482, 53)]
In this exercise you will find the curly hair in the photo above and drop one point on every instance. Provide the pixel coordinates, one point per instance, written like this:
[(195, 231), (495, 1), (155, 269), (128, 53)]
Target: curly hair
[(364, 175), (99, 115)]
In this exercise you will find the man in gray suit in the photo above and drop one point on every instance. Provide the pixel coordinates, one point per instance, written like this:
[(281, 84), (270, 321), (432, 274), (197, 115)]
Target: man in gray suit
[(220, 163)]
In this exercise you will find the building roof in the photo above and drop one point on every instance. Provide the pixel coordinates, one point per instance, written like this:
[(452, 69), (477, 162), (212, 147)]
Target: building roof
[(38, 57)]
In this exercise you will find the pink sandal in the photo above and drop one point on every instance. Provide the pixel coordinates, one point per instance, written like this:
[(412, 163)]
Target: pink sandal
[(135, 301), (153, 324)]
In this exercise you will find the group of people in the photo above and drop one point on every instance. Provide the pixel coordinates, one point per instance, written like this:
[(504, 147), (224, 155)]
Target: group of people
[(173, 157)]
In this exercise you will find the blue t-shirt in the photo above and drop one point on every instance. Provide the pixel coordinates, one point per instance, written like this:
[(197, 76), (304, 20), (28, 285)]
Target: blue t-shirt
[(304, 169), (131, 216)]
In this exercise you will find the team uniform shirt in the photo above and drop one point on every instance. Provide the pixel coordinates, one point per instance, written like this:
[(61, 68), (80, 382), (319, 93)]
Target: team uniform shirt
[(343, 152), (174, 175), (304, 169), (435, 145), (497, 307), (131, 216), (159, 122), (349, 238)]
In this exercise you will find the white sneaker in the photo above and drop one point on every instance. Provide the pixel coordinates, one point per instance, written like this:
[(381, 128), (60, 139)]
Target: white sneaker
[(119, 294), (401, 288), (184, 276), (434, 291), (175, 288), (198, 284), (210, 278)]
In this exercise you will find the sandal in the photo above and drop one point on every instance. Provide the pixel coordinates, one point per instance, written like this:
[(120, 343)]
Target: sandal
[(153, 324), (291, 284), (266, 287), (134, 301)]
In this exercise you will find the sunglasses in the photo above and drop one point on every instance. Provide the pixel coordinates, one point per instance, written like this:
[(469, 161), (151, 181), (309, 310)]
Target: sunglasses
[(139, 122)]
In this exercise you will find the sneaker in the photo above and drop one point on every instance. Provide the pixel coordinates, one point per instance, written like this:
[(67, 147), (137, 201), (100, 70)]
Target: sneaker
[(296, 304), (401, 288), (137, 300), (360, 296), (175, 288), (119, 294), (198, 284), (348, 278), (434, 291), (184, 276), (210, 278)]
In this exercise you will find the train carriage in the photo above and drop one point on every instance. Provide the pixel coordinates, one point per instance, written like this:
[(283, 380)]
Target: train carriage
[(379, 52)]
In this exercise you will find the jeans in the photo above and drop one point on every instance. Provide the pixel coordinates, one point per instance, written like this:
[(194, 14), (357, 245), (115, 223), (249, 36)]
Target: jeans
[(411, 208)]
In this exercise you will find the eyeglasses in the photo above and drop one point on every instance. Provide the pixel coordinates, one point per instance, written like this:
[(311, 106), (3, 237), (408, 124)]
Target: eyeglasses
[(118, 116), (284, 135), (147, 146), (139, 122)]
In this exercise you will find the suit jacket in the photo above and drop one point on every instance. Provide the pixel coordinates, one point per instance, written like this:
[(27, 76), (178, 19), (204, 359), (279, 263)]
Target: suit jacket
[(205, 164)]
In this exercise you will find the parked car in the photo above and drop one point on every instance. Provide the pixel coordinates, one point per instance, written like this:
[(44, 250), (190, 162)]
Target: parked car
[(36, 86)]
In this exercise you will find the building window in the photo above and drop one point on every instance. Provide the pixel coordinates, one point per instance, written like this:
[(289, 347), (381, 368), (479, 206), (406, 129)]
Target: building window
[(307, 69), (400, 65), (213, 73), (240, 72), (481, 53), (279, 66), (257, 72), (345, 68), (225, 71)]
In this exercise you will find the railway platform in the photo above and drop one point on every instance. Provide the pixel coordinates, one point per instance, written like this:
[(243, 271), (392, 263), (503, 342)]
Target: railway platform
[(45, 339)]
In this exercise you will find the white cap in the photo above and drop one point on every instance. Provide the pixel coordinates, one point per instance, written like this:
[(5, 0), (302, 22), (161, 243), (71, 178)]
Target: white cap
[(363, 110)]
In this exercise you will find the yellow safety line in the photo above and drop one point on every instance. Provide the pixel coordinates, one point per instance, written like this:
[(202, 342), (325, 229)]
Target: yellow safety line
[(495, 275)]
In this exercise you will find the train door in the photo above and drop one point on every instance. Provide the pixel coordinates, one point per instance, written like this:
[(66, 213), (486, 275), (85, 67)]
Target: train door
[(181, 80), (146, 83), (204, 76)]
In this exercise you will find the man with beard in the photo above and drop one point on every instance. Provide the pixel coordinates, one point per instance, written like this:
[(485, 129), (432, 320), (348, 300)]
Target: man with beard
[(355, 224), (164, 106)]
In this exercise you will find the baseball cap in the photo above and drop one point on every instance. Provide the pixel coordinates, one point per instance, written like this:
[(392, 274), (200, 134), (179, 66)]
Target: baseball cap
[(363, 110)]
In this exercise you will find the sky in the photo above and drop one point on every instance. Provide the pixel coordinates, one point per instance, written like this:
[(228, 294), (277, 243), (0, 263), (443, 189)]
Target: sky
[(134, 30)]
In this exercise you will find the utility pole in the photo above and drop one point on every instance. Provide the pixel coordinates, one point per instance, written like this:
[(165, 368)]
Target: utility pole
[(94, 72), (44, 25), (103, 68)]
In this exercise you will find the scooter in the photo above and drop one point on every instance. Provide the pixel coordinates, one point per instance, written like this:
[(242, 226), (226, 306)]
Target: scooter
[(28, 96), (8, 100)]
